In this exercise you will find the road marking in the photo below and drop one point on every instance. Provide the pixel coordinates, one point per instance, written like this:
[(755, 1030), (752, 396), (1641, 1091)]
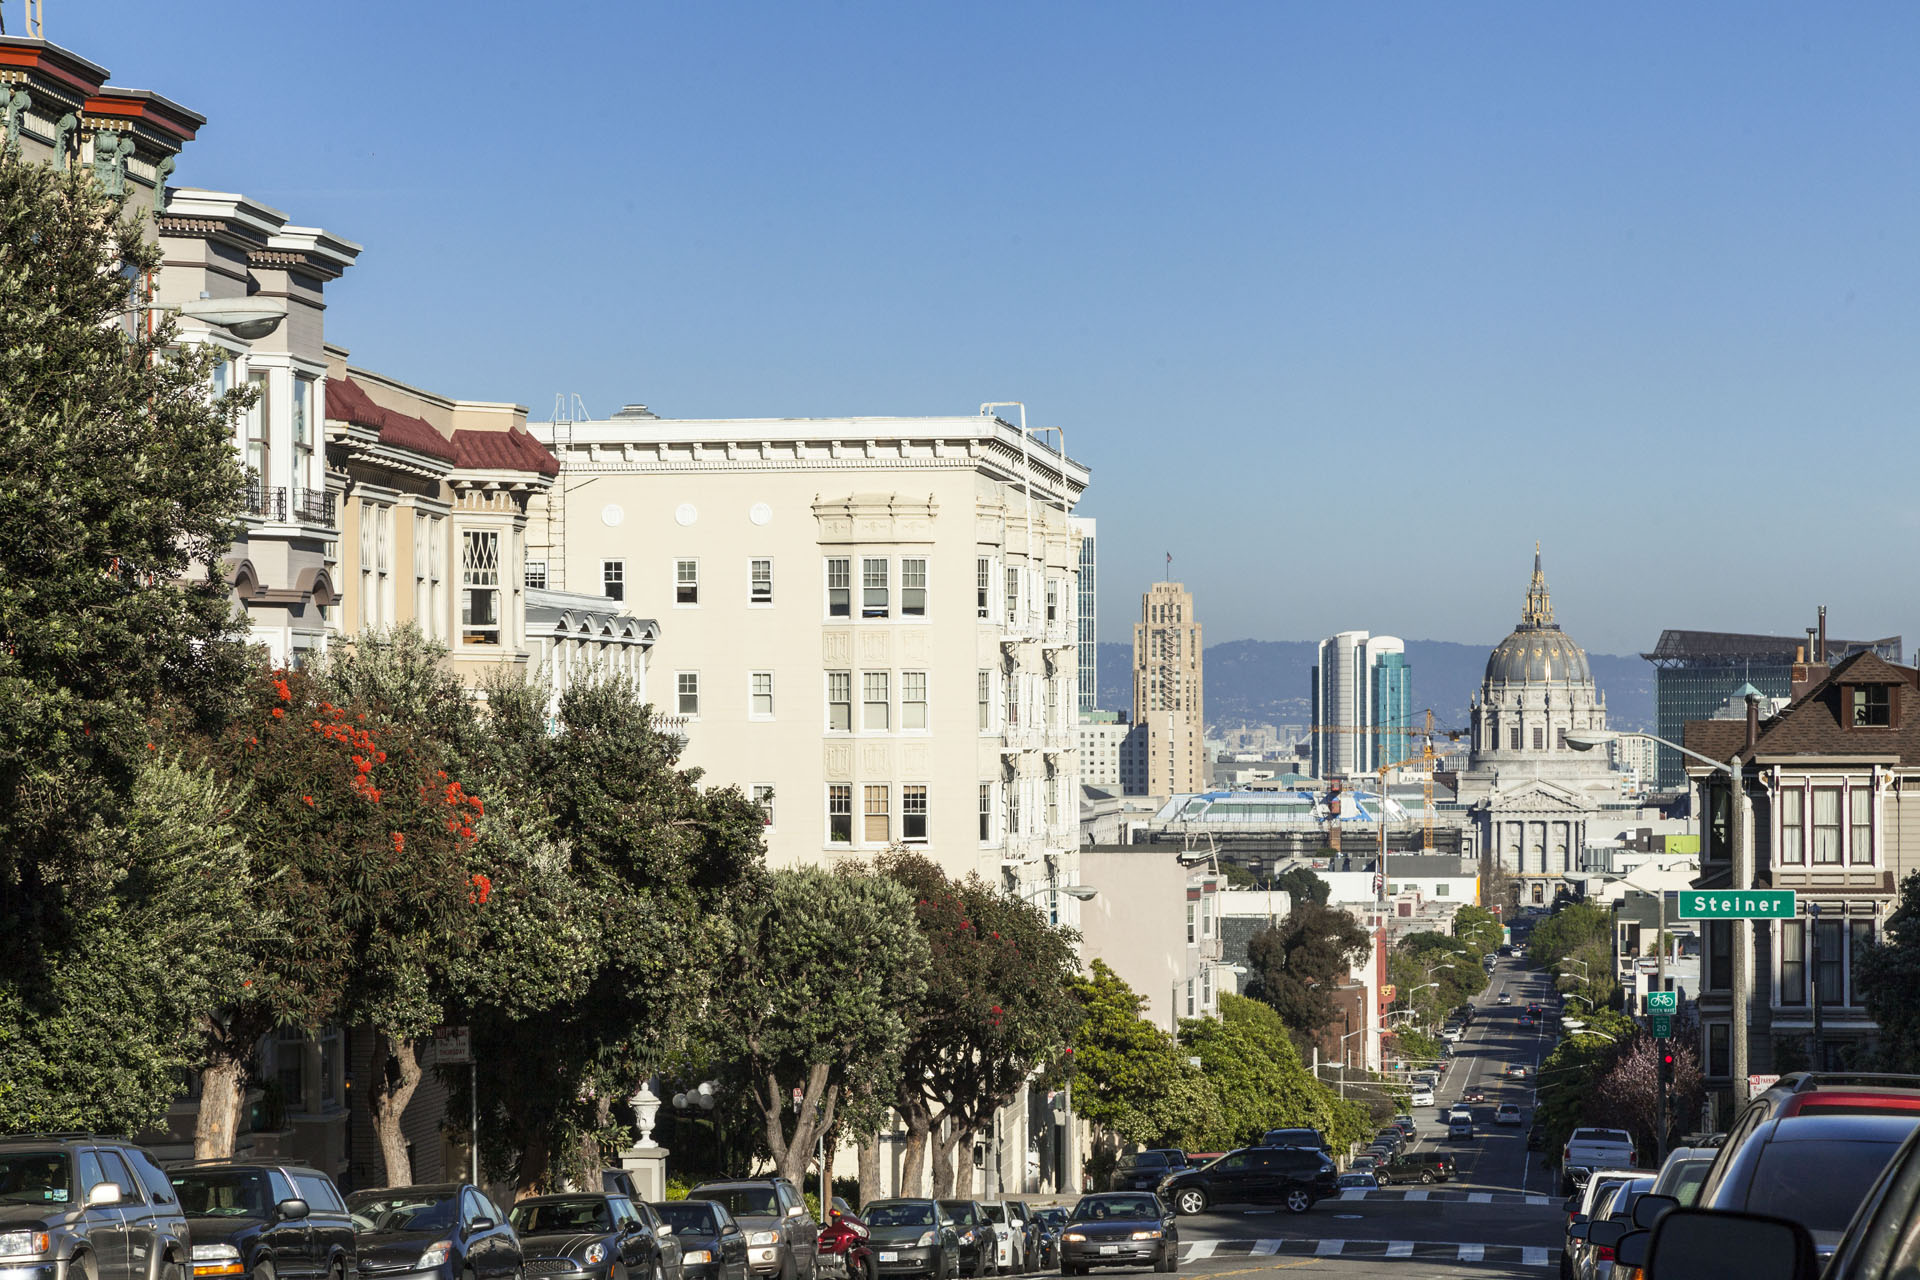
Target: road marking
[(1202, 1249), (1330, 1248), (1400, 1249), (1474, 1252), (1416, 1196), (1532, 1257), (1539, 1199), (1354, 1193), (1480, 1197), (1266, 1248)]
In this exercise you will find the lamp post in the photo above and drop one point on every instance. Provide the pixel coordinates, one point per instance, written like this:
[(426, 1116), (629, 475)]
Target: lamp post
[(1741, 837)]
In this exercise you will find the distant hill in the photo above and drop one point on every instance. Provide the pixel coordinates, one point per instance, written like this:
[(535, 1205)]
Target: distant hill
[(1268, 681)]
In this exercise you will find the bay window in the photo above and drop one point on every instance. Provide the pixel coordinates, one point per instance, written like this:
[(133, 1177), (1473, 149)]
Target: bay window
[(479, 586)]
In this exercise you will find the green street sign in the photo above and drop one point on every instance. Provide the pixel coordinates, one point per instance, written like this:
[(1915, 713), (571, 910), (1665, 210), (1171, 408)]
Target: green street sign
[(1663, 1001), (1662, 1026), (1737, 904)]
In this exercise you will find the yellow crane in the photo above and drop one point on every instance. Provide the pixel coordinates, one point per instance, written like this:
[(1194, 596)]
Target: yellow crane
[(1425, 757)]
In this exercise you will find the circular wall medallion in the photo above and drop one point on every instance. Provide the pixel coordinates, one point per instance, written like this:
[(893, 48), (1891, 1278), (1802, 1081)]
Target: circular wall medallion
[(760, 513), (611, 514), (686, 513)]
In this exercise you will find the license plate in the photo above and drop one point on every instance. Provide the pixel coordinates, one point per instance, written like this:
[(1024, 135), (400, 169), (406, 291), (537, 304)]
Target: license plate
[(886, 1256), (1109, 1248)]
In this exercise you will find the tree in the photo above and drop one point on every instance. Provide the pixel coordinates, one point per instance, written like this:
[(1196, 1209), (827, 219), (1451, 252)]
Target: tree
[(1299, 961), (1567, 1078), (121, 487), (1303, 886), (820, 971), (1627, 1096), (1130, 1076), (1888, 977), (1258, 1082), (1479, 929), (1577, 940)]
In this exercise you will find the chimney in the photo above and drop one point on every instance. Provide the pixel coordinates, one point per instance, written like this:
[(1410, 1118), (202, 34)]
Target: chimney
[(1820, 654), (1753, 719)]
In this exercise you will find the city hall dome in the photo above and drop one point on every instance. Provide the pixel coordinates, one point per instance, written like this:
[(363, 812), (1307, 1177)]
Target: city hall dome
[(1537, 651), (1538, 689)]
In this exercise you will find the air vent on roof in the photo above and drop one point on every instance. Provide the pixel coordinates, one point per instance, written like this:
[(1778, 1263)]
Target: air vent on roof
[(635, 411)]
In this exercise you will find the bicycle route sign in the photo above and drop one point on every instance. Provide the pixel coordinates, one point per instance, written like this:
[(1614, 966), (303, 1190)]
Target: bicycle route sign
[(1663, 1001), (1737, 904)]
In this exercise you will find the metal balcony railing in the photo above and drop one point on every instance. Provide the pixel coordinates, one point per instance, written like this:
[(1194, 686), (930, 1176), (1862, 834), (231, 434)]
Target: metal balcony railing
[(266, 501), (313, 506)]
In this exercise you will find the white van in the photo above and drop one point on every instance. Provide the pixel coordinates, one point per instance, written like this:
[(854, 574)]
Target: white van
[(1422, 1095)]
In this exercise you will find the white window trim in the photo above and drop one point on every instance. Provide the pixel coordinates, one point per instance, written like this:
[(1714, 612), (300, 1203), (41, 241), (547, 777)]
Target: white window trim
[(853, 702), (853, 815), (926, 703), (900, 613), (994, 816), (773, 583), (826, 590), (773, 810), (673, 577), (698, 692), (773, 694), (917, 841)]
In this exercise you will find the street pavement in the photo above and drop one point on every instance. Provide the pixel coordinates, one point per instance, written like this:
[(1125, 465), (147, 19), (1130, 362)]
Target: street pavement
[(1500, 1217)]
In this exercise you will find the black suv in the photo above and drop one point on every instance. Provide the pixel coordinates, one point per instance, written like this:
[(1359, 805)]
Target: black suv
[(1144, 1170), (1294, 1138), (88, 1208), (1416, 1166), (1290, 1176), (266, 1220)]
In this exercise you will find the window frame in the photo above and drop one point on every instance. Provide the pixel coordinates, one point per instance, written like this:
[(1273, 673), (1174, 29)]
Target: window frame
[(983, 699), (686, 590), (883, 791), (1793, 826), (528, 569), (1835, 828), (868, 702), (473, 587), (832, 702), (1860, 826), (613, 578), (868, 608), (909, 793), (983, 588), (1790, 972), (754, 599), (681, 693), (843, 566), (763, 796), (908, 591), (908, 702), (837, 792), (987, 812), (754, 695)]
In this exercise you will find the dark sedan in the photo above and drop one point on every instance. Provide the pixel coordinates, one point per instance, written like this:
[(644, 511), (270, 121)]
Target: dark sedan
[(1291, 1176), (979, 1238), (450, 1230), (712, 1245), (913, 1238), (1052, 1222), (593, 1237), (1119, 1229), (286, 1221)]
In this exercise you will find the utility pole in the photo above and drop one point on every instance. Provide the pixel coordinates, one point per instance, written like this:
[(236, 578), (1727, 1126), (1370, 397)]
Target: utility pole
[(1742, 929), (1666, 1085), (1813, 984)]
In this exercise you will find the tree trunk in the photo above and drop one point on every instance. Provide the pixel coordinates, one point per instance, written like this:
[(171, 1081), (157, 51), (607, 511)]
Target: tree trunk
[(223, 1091), (869, 1153), (913, 1159), (536, 1154), (943, 1144), (818, 1102), (396, 1074), (963, 1166)]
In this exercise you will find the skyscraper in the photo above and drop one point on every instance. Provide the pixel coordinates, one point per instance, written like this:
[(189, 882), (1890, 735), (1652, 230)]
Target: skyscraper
[(1361, 683), (1167, 693), (1089, 635)]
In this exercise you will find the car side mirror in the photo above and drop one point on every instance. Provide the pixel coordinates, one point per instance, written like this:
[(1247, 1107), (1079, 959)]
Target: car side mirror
[(1579, 1219), (1605, 1235), (103, 1195), (1648, 1209), (1632, 1250), (293, 1209), (1578, 1231), (796, 1211), (482, 1223), (1703, 1244)]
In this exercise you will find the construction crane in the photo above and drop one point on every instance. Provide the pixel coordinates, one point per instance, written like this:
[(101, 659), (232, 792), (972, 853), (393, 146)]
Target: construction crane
[(1426, 758)]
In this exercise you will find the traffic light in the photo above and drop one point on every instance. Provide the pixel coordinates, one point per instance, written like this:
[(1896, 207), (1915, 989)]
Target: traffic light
[(1666, 1065)]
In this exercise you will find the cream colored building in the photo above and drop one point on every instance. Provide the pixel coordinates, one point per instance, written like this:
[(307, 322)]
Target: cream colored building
[(1168, 698), (868, 623)]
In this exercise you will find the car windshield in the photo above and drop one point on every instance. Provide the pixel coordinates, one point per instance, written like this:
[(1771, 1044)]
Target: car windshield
[(961, 1211), (1687, 1182), (385, 1211), (1817, 1184), (552, 1217), (995, 1212), (1099, 1208), (689, 1217), (905, 1213), (226, 1193), (742, 1202), (36, 1177)]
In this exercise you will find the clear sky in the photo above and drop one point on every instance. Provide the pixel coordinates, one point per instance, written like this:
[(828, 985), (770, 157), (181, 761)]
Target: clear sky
[(1344, 304)]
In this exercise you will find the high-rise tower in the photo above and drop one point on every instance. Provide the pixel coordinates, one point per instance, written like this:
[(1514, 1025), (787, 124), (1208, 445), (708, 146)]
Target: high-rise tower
[(1167, 691)]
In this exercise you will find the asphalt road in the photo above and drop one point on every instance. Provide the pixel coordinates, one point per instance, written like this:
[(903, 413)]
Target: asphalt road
[(1498, 1218)]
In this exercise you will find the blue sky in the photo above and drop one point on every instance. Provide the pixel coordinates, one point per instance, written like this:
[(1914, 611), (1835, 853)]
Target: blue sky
[(1345, 305)]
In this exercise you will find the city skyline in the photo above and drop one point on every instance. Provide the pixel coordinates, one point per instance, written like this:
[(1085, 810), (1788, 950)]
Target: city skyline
[(1324, 227)]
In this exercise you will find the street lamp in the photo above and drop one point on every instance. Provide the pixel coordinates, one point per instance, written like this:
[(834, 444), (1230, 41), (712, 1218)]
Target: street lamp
[(1742, 860), (1083, 892)]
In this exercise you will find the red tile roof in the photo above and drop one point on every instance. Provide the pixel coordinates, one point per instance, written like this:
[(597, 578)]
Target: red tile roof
[(346, 402), (512, 450)]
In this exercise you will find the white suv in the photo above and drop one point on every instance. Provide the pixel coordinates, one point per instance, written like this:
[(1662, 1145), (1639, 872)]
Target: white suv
[(1509, 1113)]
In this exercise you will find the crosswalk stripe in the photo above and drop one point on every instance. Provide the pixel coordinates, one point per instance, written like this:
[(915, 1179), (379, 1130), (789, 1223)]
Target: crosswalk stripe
[(1472, 1252), (1416, 1196), (1354, 1193), (1202, 1249), (1480, 1197), (1539, 1199), (1532, 1257), (1400, 1249), (1330, 1248), (1263, 1248)]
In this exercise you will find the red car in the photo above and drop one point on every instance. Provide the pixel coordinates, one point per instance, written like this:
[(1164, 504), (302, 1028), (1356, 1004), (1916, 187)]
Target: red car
[(1473, 1095), (846, 1250)]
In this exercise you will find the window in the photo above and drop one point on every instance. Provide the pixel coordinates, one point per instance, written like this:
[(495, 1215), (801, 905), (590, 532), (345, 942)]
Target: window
[(158, 1185), (1193, 924), (1830, 976), (436, 537), (840, 701), (1013, 700), (873, 587), (290, 1067), (763, 799), (1793, 826), (761, 703), (877, 828), (1513, 738), (536, 570), (318, 1192), (760, 582), (259, 431), (1719, 1055), (117, 1173), (686, 685), (1872, 707), (1860, 825), (479, 586), (839, 588), (1826, 825), (913, 588), (613, 579), (1860, 938), (1053, 599), (1190, 1012), (1013, 596), (874, 700), (913, 699), (1560, 743), (686, 582), (986, 812), (1719, 975), (303, 434), (982, 587), (1793, 962), (1539, 738), (984, 695), (913, 813), (1013, 809), (840, 813)]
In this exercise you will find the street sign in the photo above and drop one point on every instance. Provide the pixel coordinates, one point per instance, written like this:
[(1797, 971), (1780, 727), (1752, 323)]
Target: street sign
[(1663, 1001), (1662, 1026), (453, 1046), (1737, 904)]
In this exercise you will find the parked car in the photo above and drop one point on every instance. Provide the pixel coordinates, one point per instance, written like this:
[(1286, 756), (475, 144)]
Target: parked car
[(712, 1245), (1580, 1207), (1811, 1169), (1052, 1223), (1353, 1180), (1684, 1172), (1404, 1123), (1295, 1138), (589, 1237), (1418, 1166), (75, 1200), (845, 1246), (1291, 1176), (448, 1230), (782, 1239), (1009, 1218), (1814, 1093), (1593, 1252), (1119, 1229), (274, 1220), (979, 1238), (1507, 1113), (913, 1238), (1364, 1164), (1594, 1148), (1143, 1170)]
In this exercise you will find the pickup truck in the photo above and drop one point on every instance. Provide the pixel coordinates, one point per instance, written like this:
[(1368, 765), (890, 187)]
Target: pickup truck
[(1591, 1149)]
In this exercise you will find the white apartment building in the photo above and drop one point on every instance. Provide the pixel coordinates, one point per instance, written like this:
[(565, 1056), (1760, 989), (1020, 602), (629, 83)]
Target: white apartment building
[(869, 624), (1100, 743)]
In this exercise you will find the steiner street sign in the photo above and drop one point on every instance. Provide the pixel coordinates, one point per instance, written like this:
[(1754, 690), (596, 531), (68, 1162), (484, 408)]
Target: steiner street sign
[(1736, 904)]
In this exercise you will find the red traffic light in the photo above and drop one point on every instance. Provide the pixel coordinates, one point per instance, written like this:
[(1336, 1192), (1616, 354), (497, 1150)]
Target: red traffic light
[(1666, 1058)]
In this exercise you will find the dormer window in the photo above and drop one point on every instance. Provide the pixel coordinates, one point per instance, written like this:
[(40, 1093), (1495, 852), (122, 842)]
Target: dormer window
[(1871, 706)]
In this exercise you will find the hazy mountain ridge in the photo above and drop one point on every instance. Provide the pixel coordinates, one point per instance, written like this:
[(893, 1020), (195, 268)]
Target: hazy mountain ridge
[(1268, 681)]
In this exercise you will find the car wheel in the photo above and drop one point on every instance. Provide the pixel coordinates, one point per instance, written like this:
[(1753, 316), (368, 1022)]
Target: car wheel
[(1190, 1200), (1426, 1176), (1299, 1200), (264, 1271), (787, 1270), (173, 1269)]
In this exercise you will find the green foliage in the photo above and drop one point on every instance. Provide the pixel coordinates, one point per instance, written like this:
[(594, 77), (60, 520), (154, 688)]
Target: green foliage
[(1130, 1077), (1297, 963), (1258, 1082), (1577, 942), (1479, 929), (1576, 1065), (1888, 976), (1444, 960), (1303, 886)]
